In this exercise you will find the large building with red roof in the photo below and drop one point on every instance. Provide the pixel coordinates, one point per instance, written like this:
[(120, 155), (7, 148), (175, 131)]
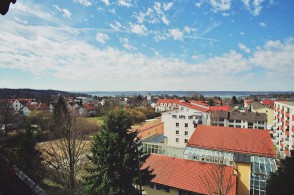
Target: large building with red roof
[(250, 151), (183, 176)]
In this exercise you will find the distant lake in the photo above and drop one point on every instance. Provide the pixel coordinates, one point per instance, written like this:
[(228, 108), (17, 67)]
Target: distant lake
[(222, 94)]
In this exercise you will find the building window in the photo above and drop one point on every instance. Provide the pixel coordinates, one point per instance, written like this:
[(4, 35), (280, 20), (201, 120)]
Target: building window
[(238, 121), (186, 124), (174, 116), (190, 117), (221, 124), (182, 117), (186, 140), (166, 188), (231, 125), (260, 127), (186, 132), (182, 108), (177, 124), (238, 126), (177, 140), (231, 121), (260, 122), (220, 119), (158, 187), (177, 132)]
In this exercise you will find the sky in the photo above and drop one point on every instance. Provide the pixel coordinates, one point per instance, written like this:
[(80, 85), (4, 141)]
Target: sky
[(141, 45)]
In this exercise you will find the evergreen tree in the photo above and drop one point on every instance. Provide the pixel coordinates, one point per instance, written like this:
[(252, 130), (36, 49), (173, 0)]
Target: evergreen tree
[(28, 158), (281, 182), (116, 158)]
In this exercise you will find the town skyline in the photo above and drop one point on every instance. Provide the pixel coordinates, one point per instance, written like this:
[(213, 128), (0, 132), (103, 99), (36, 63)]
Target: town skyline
[(127, 45)]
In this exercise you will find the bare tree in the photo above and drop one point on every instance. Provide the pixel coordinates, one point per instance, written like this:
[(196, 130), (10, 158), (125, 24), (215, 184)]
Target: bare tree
[(220, 179), (65, 156)]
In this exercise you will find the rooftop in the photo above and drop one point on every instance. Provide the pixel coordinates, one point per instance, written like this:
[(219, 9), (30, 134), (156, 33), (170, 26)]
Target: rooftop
[(188, 175), (230, 139), (236, 115), (168, 101), (193, 106), (286, 103)]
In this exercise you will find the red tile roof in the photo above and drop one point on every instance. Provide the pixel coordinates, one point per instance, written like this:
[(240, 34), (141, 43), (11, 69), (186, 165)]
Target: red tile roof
[(193, 106), (248, 141), (186, 174), (88, 106), (172, 101), (202, 103), (221, 108), (268, 103)]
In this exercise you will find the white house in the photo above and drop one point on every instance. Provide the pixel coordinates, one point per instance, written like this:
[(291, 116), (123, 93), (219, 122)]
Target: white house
[(166, 104), (179, 124)]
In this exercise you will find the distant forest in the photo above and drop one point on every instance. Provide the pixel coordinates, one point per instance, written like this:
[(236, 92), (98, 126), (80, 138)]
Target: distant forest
[(45, 96)]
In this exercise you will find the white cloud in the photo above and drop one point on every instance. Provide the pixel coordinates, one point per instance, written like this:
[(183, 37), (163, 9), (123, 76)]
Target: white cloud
[(84, 2), (126, 3), (188, 29), (262, 24), (112, 11), (167, 6), (68, 57), (176, 34), (116, 26), (242, 33), (244, 48), (138, 28), (220, 5), (101, 37), (106, 2), (165, 20), (253, 6), (126, 44), (198, 4), (66, 13)]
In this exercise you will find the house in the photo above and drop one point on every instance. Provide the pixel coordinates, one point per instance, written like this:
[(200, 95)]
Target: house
[(86, 110), (238, 119), (247, 103), (15, 104), (260, 108), (249, 151), (268, 103), (166, 104), (186, 177), (179, 124), (283, 132)]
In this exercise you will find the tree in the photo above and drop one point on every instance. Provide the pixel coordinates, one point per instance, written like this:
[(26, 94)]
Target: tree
[(219, 179), (210, 102), (234, 100), (28, 158), (65, 156), (6, 115), (116, 158), (281, 181)]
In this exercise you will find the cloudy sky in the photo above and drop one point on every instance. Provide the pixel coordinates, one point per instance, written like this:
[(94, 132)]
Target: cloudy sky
[(148, 45)]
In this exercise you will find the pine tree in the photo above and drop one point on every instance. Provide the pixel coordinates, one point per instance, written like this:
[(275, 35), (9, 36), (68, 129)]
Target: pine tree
[(116, 158), (281, 181), (28, 158)]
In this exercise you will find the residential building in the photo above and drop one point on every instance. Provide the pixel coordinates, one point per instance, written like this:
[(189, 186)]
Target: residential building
[(283, 133), (260, 108), (166, 104), (86, 110), (238, 119), (247, 103), (178, 176), (179, 124), (249, 151)]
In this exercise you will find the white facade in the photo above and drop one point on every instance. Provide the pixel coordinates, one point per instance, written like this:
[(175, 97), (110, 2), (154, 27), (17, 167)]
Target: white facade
[(180, 124), (283, 135), (25, 111), (16, 105)]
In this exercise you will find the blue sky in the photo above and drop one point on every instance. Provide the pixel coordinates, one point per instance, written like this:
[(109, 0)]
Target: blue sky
[(82, 45)]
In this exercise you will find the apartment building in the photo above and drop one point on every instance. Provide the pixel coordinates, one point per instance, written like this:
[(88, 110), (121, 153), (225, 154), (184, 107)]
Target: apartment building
[(163, 105), (179, 124), (238, 119), (261, 108), (249, 151), (283, 133)]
